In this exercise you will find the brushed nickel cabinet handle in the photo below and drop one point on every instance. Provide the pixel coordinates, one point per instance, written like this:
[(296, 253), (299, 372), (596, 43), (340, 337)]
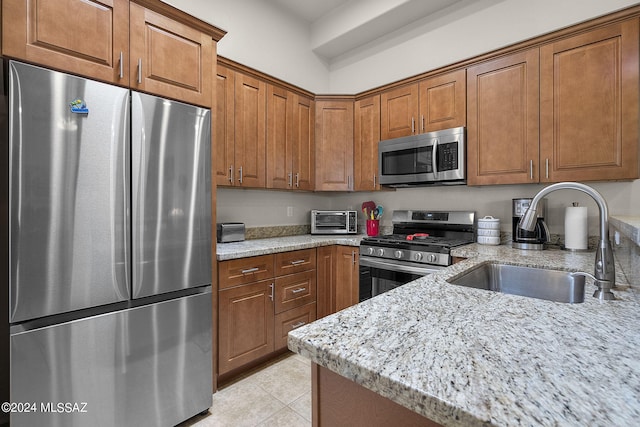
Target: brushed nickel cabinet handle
[(297, 180), (296, 262), (546, 167), (297, 325), (297, 291), (139, 70), (240, 174), (413, 125), (530, 169), (290, 179), (271, 294), (374, 181), (231, 174), (422, 120), (250, 270), (121, 75)]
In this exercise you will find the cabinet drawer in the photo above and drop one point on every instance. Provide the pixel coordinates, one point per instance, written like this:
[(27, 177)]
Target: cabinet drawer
[(290, 320), (295, 290), (295, 261), (244, 270)]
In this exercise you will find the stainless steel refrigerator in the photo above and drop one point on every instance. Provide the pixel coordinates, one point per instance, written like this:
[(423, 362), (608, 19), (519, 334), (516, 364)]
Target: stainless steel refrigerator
[(108, 224)]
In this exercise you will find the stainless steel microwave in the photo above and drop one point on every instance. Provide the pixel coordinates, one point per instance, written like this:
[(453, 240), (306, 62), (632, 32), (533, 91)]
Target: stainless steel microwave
[(334, 222), (423, 159)]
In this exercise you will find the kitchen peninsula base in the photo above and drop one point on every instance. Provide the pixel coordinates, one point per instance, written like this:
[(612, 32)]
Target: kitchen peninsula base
[(339, 401)]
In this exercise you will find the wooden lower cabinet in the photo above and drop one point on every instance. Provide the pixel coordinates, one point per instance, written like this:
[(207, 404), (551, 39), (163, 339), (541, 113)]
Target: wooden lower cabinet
[(261, 299), (338, 401), (337, 278), (246, 324)]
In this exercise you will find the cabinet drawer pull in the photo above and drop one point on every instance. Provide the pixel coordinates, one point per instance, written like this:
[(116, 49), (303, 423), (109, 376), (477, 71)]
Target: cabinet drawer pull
[(272, 291), (250, 270), (297, 291), (297, 325), (299, 261)]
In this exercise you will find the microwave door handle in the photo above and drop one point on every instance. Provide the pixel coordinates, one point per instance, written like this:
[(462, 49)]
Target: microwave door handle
[(434, 156)]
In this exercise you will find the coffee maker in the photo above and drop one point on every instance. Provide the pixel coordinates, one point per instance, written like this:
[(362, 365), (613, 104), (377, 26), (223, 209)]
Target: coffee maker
[(533, 240)]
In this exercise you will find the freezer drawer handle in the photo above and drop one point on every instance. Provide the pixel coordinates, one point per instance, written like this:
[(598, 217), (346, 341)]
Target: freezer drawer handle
[(297, 325), (297, 291), (299, 261), (250, 270)]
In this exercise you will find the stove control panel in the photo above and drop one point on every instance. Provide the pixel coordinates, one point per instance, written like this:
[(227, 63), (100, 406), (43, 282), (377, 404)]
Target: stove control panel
[(422, 257)]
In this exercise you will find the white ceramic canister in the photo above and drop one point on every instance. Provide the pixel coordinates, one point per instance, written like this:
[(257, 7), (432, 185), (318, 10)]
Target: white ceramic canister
[(489, 230)]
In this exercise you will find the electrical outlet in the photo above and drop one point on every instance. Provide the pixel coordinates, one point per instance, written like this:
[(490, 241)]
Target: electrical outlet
[(289, 210)]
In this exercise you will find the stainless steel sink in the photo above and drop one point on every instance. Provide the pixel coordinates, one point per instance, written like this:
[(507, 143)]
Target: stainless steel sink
[(552, 285)]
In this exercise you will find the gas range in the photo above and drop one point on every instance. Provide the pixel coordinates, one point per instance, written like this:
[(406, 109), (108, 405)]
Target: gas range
[(422, 237)]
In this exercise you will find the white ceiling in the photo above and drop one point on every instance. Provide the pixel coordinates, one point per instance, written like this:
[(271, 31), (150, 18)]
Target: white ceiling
[(338, 26)]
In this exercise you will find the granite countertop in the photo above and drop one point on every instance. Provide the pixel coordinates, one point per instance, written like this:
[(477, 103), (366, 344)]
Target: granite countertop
[(248, 248), (629, 225), (465, 357)]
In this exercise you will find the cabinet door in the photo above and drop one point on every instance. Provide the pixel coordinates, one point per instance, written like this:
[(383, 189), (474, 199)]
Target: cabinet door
[(246, 323), (365, 140), (502, 120), (85, 37), (325, 279), (443, 101), (290, 320), (304, 113), (334, 145), (347, 287), (589, 105), (223, 126), (169, 58), (250, 131), (280, 104), (399, 112)]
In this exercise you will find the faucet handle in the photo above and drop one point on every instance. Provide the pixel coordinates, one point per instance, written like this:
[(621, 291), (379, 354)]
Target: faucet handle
[(603, 293)]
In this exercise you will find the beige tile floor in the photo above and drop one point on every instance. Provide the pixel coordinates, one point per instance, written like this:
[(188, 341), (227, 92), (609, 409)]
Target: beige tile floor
[(278, 394)]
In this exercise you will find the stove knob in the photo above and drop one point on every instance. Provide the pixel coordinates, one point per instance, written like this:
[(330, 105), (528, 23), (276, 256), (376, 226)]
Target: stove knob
[(398, 254), (417, 256), (432, 258), (380, 252), (369, 251)]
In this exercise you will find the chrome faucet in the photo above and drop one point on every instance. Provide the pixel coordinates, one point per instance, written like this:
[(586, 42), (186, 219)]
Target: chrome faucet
[(605, 274)]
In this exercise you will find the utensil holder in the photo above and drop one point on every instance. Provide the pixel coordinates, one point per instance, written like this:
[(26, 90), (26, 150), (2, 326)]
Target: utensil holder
[(373, 227)]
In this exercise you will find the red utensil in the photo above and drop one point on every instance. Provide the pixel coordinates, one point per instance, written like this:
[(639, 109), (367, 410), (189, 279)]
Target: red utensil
[(413, 236), (368, 207)]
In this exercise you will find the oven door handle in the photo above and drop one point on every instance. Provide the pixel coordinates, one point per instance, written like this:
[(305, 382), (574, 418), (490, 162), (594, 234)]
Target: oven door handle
[(401, 267)]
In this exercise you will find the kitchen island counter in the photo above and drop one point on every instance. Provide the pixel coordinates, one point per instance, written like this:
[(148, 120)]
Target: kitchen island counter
[(249, 248), (461, 356)]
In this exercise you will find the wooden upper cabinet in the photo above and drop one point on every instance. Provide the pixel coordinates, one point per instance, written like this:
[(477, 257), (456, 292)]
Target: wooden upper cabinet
[(280, 105), (250, 131), (304, 114), (365, 140), (399, 112), (169, 58), (223, 126), (589, 105), (334, 145), (443, 101), (502, 120), (85, 37)]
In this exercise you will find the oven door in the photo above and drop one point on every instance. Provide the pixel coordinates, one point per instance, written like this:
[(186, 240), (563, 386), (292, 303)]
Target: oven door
[(381, 275)]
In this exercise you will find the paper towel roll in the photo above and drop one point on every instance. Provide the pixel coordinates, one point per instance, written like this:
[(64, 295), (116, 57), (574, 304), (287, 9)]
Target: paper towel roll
[(575, 227)]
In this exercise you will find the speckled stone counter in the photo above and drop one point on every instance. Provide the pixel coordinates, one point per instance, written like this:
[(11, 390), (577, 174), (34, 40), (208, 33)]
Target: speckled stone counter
[(248, 248), (467, 357)]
